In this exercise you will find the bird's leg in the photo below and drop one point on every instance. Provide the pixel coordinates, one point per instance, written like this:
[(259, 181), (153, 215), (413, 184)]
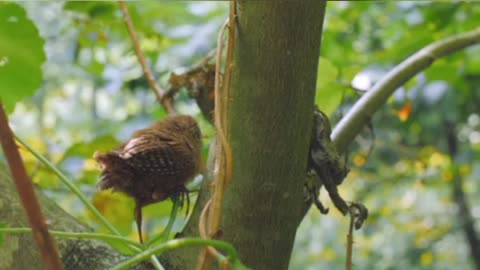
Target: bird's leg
[(317, 202), (182, 193), (332, 190), (138, 219), (187, 195)]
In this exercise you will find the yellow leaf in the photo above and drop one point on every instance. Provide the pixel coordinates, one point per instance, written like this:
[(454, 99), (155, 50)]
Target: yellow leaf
[(439, 160), (465, 170), (448, 176), (386, 211), (116, 207), (90, 165), (426, 258), (329, 254)]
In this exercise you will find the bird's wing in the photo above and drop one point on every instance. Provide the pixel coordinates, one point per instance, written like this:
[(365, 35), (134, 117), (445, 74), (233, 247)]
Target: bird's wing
[(154, 156)]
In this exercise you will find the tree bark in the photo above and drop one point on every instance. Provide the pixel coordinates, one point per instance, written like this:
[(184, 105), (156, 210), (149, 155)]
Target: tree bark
[(271, 110)]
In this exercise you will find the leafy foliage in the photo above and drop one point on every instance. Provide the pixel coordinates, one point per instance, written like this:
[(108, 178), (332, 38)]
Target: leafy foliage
[(21, 56)]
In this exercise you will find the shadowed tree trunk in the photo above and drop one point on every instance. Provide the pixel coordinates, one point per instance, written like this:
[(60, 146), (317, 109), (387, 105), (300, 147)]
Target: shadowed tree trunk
[(271, 111)]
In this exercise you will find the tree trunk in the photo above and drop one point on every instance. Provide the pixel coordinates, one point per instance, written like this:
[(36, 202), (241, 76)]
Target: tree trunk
[(271, 110)]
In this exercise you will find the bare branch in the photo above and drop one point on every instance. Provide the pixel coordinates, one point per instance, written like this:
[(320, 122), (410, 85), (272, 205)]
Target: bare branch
[(165, 100), (46, 245)]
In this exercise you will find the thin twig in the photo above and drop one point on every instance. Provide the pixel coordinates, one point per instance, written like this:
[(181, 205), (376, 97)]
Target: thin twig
[(204, 61), (164, 100), (45, 243), (348, 263)]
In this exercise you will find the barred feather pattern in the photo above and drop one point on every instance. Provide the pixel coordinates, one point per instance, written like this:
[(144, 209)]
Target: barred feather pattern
[(156, 162)]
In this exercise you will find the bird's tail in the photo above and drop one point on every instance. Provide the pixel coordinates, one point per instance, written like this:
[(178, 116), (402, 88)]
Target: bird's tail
[(115, 172)]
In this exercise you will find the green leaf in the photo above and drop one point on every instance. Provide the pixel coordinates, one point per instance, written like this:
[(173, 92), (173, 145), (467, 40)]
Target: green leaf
[(86, 149), (327, 72), (94, 9), (21, 55), (329, 97), (443, 70), (329, 92)]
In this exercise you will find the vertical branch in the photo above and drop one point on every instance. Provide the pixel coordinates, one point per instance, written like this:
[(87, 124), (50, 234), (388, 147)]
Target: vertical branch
[(348, 262), (164, 100), (45, 243)]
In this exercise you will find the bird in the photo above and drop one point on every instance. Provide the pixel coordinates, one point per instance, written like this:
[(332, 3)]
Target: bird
[(155, 164)]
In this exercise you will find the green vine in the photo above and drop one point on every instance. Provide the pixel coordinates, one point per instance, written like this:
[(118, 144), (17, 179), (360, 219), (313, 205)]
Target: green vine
[(70, 186), (163, 237), (101, 236), (84, 199), (176, 243)]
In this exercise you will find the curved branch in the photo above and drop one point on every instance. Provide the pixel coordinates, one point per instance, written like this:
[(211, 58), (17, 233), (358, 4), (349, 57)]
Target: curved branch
[(350, 125)]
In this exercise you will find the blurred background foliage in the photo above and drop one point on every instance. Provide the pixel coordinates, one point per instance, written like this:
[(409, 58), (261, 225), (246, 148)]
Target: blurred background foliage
[(93, 96)]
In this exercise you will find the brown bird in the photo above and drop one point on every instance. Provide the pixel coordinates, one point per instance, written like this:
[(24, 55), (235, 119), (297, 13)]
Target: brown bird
[(154, 164)]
